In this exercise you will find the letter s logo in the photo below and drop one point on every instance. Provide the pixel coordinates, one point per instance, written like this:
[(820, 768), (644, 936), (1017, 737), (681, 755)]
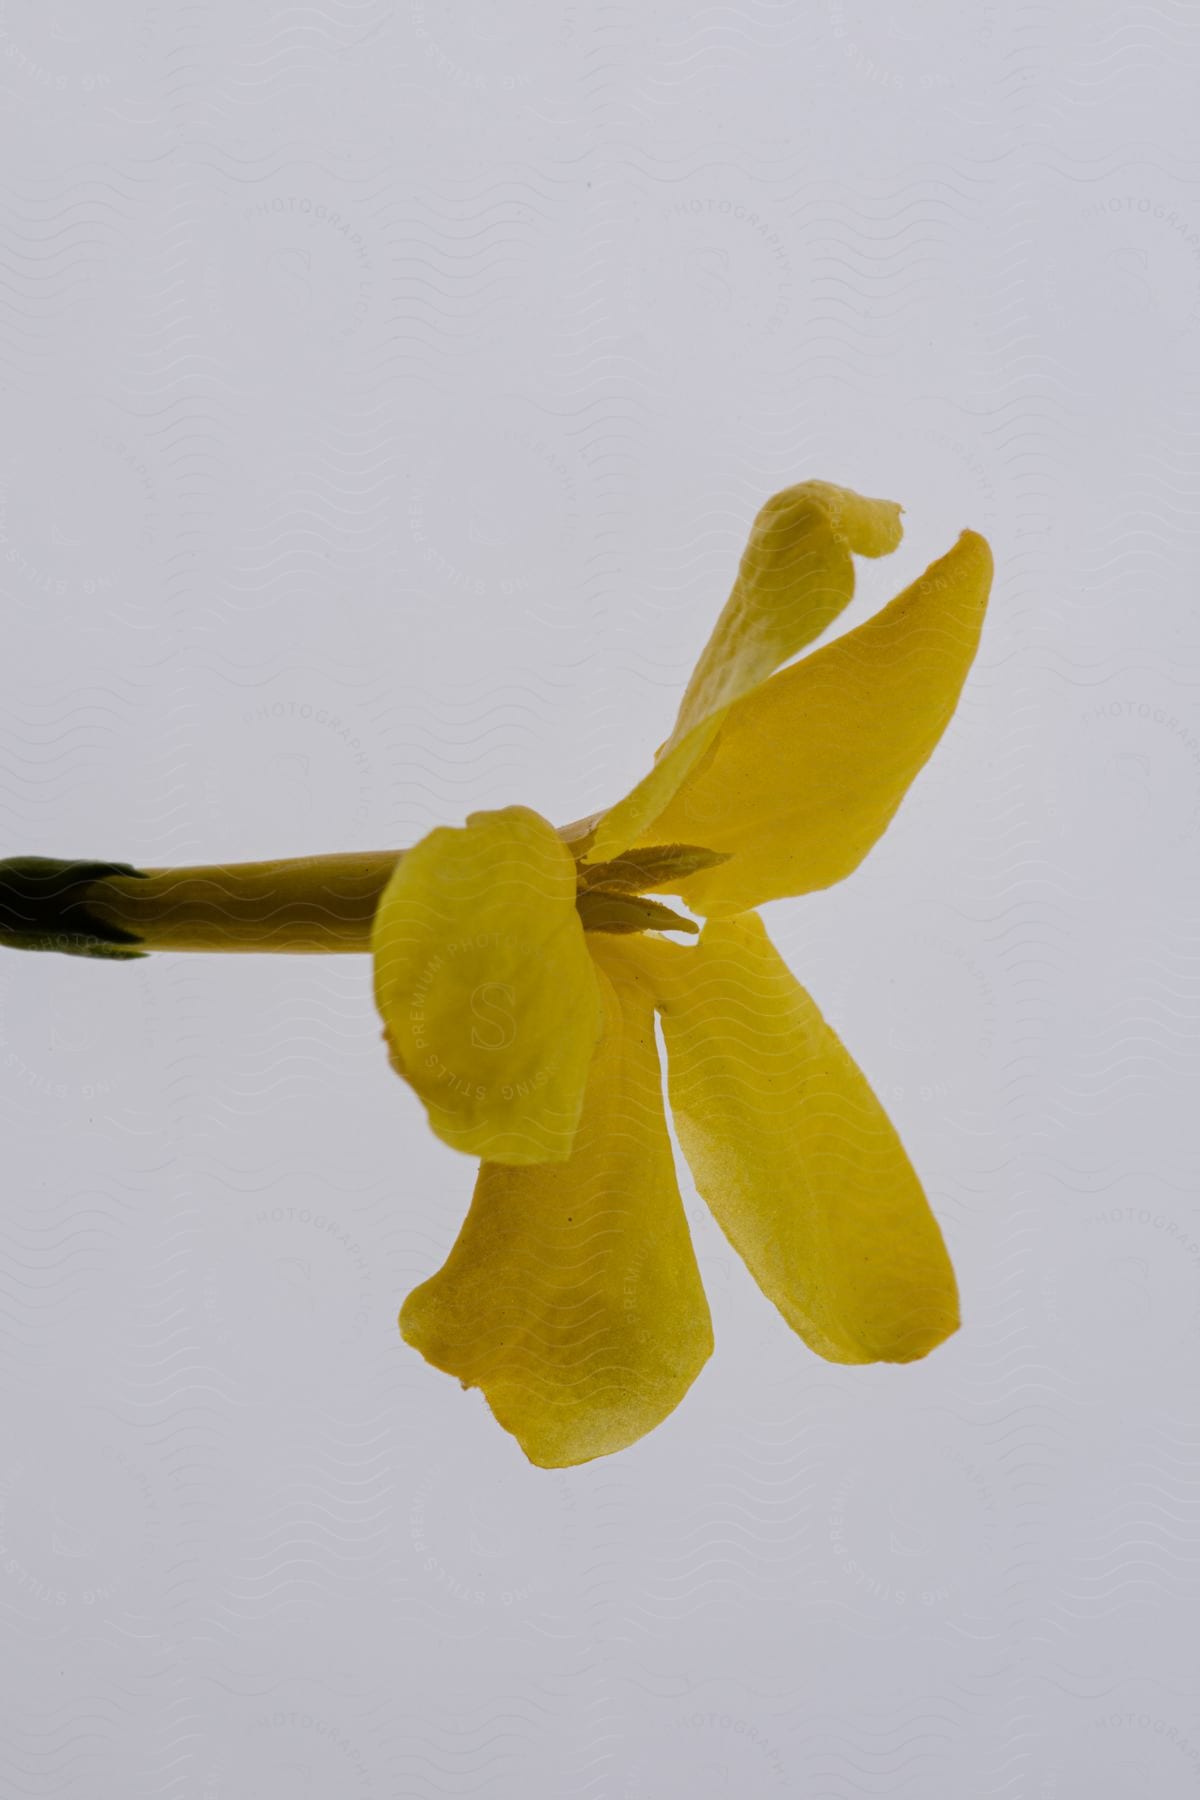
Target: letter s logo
[(496, 1028)]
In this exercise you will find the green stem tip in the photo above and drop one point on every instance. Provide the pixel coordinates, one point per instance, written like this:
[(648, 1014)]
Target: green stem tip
[(45, 904)]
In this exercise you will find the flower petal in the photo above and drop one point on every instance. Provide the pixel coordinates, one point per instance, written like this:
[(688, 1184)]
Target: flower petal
[(795, 576), (572, 1296), (794, 1154), (607, 834), (810, 767), (486, 987)]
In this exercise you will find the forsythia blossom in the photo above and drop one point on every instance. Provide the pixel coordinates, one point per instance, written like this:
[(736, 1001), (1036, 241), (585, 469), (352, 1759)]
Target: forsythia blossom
[(519, 970)]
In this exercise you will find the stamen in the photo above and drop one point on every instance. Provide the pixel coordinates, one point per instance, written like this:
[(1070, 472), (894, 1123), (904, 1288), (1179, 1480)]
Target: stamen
[(655, 866), (602, 910)]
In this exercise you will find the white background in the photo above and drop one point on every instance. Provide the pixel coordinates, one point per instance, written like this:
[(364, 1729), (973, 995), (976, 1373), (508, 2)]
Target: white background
[(387, 391)]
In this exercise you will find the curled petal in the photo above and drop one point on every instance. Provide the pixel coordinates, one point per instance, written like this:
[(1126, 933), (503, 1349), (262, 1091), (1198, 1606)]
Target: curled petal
[(808, 770), (795, 576)]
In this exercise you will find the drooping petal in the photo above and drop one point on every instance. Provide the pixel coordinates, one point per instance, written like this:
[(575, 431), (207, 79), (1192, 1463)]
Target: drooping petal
[(810, 767), (572, 1296), (794, 1154), (795, 577), (486, 987)]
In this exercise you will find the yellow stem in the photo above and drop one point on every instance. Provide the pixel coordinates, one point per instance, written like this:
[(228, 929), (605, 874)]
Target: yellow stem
[(312, 905)]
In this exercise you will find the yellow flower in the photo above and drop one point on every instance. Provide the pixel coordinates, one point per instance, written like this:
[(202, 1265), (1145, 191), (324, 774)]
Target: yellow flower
[(518, 970)]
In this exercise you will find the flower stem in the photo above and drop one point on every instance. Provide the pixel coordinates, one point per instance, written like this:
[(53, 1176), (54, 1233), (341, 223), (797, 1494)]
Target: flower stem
[(309, 905)]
